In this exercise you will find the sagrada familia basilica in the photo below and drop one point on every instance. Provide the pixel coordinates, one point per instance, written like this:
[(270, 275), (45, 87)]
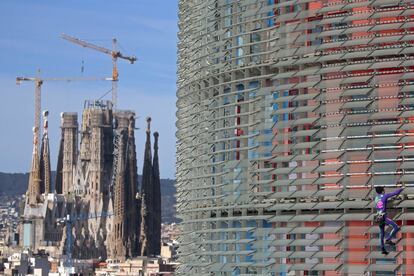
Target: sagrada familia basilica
[(96, 208)]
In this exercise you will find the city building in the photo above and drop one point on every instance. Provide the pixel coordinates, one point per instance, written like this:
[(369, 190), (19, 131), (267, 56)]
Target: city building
[(148, 266), (24, 264), (289, 113)]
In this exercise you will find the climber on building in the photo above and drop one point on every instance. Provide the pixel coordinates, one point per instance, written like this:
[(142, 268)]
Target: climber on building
[(382, 219)]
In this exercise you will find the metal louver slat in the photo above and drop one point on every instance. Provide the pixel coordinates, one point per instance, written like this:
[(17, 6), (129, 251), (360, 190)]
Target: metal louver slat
[(327, 242), (407, 165), (385, 39), (304, 157), (331, 20), (328, 180), (330, 69), (304, 97), (386, 52), (330, 57), (331, 8), (281, 206), (331, 33), (354, 204), (385, 180), (327, 205), (407, 88), (353, 5), (304, 109), (326, 267), (301, 254), (385, 64), (302, 267), (286, 52), (383, 267), (327, 229), (384, 115), (304, 121), (406, 203), (407, 139), (357, 16), (361, 29), (357, 67), (408, 50), (394, 13), (284, 75), (303, 218), (407, 113), (306, 60), (408, 101), (302, 230), (335, 44), (329, 168), (327, 217), (408, 25), (356, 79), (385, 140), (408, 37), (383, 27), (356, 104), (356, 41), (356, 54), (308, 84)]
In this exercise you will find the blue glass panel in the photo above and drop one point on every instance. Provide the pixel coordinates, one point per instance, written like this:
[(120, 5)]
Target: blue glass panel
[(267, 131), (253, 84)]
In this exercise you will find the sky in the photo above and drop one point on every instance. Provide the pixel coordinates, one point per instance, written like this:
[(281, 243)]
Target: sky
[(30, 40)]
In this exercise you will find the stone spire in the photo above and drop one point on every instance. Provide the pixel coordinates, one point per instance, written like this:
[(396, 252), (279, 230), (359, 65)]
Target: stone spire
[(132, 190), (59, 175), (68, 153), (33, 192), (146, 196), (45, 175), (119, 231), (126, 212), (156, 196)]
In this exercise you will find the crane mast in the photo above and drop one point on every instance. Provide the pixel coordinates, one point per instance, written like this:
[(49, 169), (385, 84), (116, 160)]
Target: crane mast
[(37, 110), (38, 98), (114, 53), (69, 222)]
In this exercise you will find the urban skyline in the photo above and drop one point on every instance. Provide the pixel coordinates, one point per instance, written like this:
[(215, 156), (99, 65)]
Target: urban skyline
[(288, 125)]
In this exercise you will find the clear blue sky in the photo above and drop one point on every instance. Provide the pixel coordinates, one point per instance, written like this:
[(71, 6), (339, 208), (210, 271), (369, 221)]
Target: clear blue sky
[(29, 39)]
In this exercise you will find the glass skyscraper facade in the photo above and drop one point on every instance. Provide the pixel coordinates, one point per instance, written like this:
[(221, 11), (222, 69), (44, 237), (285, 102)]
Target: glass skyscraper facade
[(289, 113)]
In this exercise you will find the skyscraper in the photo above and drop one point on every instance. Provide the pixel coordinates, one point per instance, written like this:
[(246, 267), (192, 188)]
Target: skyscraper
[(289, 113)]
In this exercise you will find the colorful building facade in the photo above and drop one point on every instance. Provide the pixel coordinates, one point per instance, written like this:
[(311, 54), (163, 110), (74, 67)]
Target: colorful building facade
[(289, 113)]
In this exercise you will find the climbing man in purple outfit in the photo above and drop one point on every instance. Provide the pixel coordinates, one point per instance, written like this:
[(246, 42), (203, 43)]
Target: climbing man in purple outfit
[(381, 216)]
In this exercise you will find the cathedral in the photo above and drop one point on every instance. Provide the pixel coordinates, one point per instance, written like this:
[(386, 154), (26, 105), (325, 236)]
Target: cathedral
[(96, 209)]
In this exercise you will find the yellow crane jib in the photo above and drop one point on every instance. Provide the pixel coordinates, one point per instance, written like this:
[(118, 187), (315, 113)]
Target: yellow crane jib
[(114, 53)]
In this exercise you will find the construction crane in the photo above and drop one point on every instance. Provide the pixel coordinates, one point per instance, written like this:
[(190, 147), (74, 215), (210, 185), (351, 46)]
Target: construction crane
[(38, 95), (69, 221), (114, 53)]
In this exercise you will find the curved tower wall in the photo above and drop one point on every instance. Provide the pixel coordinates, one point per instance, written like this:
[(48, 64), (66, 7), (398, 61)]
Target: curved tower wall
[(289, 112)]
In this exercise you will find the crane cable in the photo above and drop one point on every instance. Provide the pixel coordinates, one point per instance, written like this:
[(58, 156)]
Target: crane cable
[(106, 93)]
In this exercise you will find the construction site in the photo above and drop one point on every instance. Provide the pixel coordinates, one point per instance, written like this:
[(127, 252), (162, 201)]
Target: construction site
[(96, 209)]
